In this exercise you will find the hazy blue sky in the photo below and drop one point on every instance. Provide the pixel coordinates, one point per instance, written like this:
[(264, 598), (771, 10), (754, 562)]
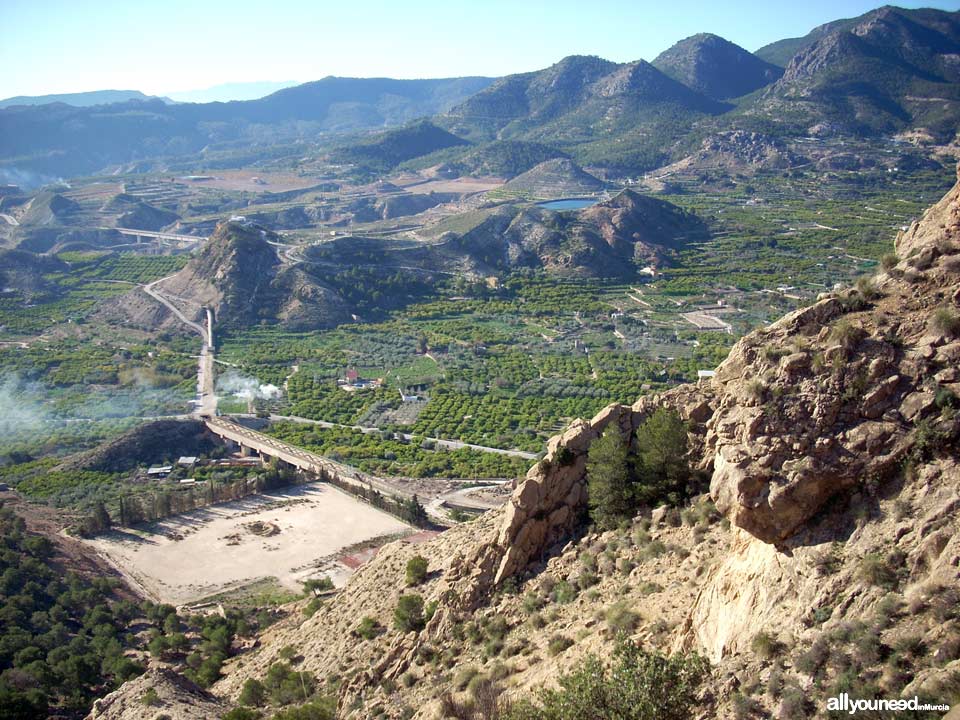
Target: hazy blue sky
[(53, 46)]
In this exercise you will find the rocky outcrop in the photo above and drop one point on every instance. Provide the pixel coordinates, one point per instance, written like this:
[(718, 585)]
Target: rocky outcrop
[(174, 697), (837, 394), (551, 501), (239, 275)]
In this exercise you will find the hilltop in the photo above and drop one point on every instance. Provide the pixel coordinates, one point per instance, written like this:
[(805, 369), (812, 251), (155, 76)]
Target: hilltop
[(239, 275), (716, 67), (555, 178), (614, 238), (876, 75), (80, 99), (91, 139), (387, 150)]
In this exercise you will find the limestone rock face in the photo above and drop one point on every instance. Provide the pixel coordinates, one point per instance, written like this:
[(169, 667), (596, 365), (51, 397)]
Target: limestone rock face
[(177, 699), (832, 395), (551, 501)]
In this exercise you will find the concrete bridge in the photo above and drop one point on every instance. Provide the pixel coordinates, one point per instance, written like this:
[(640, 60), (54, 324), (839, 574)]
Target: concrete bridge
[(252, 442), (181, 241)]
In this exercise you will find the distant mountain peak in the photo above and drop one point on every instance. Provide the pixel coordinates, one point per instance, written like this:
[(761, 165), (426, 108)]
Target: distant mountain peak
[(716, 67)]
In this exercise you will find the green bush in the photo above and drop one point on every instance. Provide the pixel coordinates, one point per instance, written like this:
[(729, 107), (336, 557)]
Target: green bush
[(889, 261), (563, 592), (765, 645), (637, 685), (286, 686), (368, 628), (875, 570), (662, 467), (317, 585), (253, 694), (242, 713), (323, 709), (621, 618), (408, 615), (416, 570)]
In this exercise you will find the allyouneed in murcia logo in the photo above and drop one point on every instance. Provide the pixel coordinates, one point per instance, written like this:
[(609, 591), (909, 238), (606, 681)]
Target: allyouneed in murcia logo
[(844, 703)]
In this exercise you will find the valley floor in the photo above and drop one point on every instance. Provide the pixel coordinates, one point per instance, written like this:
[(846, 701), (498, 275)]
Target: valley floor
[(289, 535)]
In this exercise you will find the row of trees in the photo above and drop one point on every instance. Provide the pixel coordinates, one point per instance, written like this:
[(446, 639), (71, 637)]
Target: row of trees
[(133, 509)]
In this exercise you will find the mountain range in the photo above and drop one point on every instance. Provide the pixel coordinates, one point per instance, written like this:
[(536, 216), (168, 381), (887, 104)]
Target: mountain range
[(882, 73)]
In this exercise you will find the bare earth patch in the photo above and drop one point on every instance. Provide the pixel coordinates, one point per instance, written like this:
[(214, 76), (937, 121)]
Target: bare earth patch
[(287, 535)]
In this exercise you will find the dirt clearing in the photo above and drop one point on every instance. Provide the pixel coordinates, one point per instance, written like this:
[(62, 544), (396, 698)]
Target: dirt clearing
[(287, 535)]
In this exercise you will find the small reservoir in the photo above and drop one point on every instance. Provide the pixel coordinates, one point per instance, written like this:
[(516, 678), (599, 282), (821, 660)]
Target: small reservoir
[(567, 204)]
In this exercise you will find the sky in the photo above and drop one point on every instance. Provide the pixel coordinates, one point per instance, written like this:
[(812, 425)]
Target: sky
[(57, 46)]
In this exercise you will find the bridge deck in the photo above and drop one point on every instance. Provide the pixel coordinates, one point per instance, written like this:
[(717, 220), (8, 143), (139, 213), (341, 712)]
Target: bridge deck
[(299, 458)]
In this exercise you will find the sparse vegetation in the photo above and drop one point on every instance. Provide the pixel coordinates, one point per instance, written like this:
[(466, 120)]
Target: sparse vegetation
[(946, 320)]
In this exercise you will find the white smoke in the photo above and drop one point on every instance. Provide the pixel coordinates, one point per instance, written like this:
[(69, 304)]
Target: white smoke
[(244, 387), (19, 409), (27, 179)]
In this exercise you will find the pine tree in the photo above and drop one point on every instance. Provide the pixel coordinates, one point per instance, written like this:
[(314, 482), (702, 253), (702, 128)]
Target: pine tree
[(662, 467), (608, 479)]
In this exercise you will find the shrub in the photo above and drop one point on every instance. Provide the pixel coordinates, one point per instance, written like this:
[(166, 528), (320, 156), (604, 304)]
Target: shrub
[(946, 320), (317, 585), (240, 713), (532, 602), (765, 646), (589, 561), (285, 685), (564, 456), (868, 288), (745, 706), (310, 609), (662, 466), (323, 709), (874, 570), (587, 579), (253, 694), (649, 588), (889, 261), (416, 570), (464, 676), (150, 697), (846, 334), (498, 628), (563, 593), (408, 615), (812, 661), (368, 628), (638, 685), (654, 549), (558, 644), (620, 618), (794, 704)]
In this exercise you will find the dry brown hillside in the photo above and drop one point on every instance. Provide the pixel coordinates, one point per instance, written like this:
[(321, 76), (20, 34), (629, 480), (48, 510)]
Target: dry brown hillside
[(825, 557)]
